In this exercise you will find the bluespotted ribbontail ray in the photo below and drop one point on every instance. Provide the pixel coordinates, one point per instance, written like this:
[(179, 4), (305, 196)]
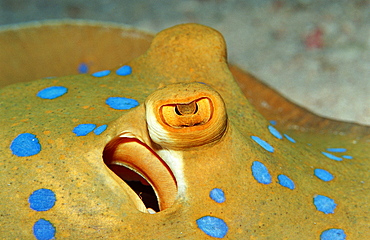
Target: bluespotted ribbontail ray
[(176, 117)]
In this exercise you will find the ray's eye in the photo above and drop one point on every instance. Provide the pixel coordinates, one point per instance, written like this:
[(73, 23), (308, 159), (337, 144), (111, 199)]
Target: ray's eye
[(195, 113), (185, 115), (185, 109)]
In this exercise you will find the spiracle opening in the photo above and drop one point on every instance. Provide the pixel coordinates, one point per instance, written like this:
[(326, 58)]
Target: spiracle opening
[(149, 177)]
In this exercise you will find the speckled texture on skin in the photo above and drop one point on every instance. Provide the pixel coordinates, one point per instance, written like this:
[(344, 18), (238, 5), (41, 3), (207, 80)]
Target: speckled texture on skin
[(86, 200)]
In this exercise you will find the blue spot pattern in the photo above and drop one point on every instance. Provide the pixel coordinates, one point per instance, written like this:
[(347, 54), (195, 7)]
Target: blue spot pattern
[(52, 92), (25, 145), (263, 144), (331, 156), (333, 234), (121, 103), (83, 129), (286, 182), (213, 226), (275, 132), (42, 200), (323, 175), (273, 122), (324, 204), (101, 73), (289, 138), (43, 230), (217, 195), (124, 70), (100, 129), (338, 150), (260, 173), (83, 68)]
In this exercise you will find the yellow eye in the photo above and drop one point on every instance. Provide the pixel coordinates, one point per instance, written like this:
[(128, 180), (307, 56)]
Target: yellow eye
[(185, 115), (197, 112)]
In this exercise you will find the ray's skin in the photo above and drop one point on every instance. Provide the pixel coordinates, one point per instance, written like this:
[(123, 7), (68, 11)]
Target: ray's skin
[(177, 118)]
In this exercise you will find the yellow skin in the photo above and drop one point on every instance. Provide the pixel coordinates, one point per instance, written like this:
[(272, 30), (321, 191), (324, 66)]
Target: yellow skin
[(193, 118)]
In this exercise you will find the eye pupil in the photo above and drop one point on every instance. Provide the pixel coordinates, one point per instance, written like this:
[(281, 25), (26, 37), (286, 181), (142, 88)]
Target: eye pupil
[(186, 109), (181, 115)]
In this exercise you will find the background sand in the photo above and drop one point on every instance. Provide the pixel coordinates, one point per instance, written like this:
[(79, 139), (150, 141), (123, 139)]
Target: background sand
[(316, 53)]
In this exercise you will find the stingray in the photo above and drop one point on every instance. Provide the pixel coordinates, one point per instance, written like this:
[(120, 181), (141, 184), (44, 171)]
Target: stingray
[(173, 143)]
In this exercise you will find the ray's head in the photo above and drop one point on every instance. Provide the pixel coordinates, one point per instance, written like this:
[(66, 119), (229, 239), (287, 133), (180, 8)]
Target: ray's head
[(176, 118)]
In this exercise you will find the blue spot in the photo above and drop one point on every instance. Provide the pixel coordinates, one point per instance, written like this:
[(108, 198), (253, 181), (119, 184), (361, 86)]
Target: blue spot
[(121, 103), (336, 150), (260, 173), (101, 73), (100, 129), (333, 234), (331, 156), (212, 226), (43, 230), (275, 132), (289, 138), (124, 70), (324, 204), (83, 68), (323, 175), (273, 122), (42, 200), (83, 129), (263, 144), (347, 157), (217, 195), (286, 182), (25, 145), (52, 92)]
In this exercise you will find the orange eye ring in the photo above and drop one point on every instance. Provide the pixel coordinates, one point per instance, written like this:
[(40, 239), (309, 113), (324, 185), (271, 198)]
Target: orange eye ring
[(185, 115)]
